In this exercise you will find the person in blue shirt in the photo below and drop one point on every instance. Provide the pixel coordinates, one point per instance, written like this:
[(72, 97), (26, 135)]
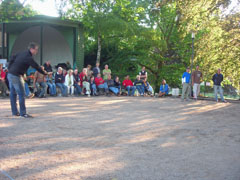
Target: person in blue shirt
[(163, 89), (186, 77)]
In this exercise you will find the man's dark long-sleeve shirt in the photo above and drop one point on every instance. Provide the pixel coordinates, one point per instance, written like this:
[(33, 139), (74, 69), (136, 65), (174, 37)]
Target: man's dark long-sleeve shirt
[(59, 78), (19, 64), (217, 79), (47, 68)]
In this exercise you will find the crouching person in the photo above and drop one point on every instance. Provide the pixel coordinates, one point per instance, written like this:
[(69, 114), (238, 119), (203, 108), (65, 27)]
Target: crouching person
[(163, 89), (147, 87)]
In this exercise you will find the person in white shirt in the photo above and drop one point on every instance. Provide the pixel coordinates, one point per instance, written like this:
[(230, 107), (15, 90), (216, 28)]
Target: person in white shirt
[(69, 81)]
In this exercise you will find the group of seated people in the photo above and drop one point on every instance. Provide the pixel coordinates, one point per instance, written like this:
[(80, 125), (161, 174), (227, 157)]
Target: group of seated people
[(88, 82)]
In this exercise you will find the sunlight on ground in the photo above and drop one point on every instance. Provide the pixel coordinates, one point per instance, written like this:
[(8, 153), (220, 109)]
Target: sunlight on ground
[(205, 108), (111, 102), (2, 125), (168, 144)]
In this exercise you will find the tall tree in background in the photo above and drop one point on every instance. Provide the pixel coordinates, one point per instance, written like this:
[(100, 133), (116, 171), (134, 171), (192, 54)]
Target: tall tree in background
[(14, 9), (156, 34)]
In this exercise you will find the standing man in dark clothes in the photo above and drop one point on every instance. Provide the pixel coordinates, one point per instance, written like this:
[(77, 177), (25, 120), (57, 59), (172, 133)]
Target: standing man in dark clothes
[(217, 79), (18, 65), (96, 70)]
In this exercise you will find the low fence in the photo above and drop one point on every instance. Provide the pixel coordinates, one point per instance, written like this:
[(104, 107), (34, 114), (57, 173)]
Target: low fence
[(229, 92)]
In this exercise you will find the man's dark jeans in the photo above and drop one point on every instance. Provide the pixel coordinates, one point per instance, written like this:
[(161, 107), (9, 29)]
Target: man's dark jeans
[(16, 85)]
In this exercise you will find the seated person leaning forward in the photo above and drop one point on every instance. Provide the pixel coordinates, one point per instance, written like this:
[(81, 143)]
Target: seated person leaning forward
[(147, 87), (163, 89), (59, 81), (128, 85), (139, 85), (101, 84), (28, 93), (51, 84), (84, 81), (39, 82), (111, 85)]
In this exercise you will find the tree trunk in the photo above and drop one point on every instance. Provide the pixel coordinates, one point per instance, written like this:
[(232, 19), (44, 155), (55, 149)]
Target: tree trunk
[(99, 48), (156, 89)]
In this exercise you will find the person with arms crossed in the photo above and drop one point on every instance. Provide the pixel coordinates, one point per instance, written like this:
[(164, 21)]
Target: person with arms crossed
[(217, 80)]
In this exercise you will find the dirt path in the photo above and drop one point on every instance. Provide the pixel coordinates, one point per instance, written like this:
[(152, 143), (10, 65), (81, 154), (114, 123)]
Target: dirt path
[(120, 138)]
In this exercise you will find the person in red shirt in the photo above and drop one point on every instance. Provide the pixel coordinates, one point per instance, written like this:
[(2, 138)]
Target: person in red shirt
[(128, 85), (101, 84), (3, 85), (84, 81)]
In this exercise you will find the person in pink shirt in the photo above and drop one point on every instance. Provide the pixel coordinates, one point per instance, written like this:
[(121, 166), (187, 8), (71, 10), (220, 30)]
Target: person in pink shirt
[(128, 85)]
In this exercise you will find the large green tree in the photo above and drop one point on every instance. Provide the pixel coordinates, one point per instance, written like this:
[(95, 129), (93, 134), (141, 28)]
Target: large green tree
[(157, 35), (14, 9)]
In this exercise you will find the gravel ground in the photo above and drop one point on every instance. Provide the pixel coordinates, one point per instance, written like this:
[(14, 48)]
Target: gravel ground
[(121, 138)]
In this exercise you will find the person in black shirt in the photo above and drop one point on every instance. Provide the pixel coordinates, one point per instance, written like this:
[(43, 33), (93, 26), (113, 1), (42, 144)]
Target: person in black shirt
[(217, 79), (111, 85), (47, 66), (59, 81), (17, 67), (139, 85), (78, 89), (117, 84), (143, 73)]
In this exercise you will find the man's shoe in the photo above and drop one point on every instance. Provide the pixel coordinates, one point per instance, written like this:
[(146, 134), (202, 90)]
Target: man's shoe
[(16, 114), (27, 116)]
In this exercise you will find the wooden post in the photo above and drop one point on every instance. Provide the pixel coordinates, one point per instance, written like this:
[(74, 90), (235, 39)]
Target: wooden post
[(3, 40), (41, 43)]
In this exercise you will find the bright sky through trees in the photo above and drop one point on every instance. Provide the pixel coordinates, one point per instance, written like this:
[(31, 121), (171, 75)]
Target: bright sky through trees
[(47, 7)]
